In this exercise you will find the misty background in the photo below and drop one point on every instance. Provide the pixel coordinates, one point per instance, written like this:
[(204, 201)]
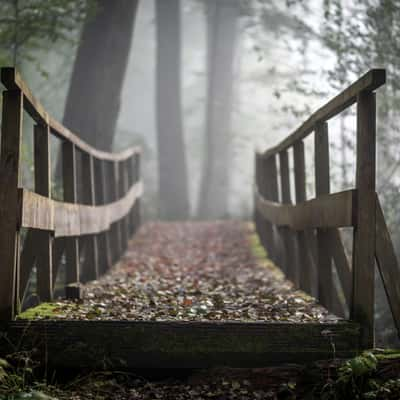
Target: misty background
[(202, 84)]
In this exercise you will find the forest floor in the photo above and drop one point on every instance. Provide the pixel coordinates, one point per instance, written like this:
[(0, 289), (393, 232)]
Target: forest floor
[(191, 271)]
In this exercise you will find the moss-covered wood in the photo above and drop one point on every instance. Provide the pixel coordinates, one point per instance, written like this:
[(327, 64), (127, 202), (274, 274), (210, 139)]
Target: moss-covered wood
[(134, 344)]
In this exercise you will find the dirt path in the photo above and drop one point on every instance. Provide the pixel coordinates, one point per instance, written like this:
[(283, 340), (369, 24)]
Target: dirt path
[(193, 271)]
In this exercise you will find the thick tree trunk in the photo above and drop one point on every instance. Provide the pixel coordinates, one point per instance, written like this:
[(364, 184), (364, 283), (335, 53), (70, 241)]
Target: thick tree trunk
[(173, 185), (222, 30), (93, 101)]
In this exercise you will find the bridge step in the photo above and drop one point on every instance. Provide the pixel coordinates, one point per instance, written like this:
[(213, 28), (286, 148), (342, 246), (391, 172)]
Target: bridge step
[(137, 344)]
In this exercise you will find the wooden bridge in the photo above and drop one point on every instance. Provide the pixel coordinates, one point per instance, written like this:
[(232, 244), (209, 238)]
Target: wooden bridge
[(88, 230)]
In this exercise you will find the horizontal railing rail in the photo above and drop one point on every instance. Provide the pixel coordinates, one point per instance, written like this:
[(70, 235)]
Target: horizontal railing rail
[(302, 236), (86, 232)]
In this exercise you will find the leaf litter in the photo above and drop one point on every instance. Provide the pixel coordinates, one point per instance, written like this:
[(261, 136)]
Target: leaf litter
[(193, 271)]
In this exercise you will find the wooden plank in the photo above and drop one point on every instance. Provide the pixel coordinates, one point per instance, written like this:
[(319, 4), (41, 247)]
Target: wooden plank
[(341, 263), (290, 261), (322, 186), (156, 344), (314, 213), (11, 136), (68, 219), (90, 266), (43, 239), (362, 306), (70, 195), (372, 80), (112, 185), (388, 265), (300, 190), (12, 80)]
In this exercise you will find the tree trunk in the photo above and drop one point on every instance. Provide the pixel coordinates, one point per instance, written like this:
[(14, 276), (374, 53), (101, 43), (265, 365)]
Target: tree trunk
[(93, 100), (222, 30), (173, 185)]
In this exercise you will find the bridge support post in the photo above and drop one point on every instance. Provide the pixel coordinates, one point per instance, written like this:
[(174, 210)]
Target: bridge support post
[(11, 137), (363, 294)]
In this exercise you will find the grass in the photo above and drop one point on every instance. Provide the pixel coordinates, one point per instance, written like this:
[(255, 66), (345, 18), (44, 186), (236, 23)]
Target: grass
[(43, 310)]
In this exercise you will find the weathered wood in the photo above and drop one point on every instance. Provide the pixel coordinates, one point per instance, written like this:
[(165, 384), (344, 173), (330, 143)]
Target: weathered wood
[(322, 186), (272, 190), (43, 239), (13, 81), (112, 186), (341, 263), (156, 344), (287, 236), (122, 190), (68, 219), (388, 265), (11, 133), (105, 261), (90, 267), (300, 190), (372, 80), (70, 196), (27, 262), (362, 306)]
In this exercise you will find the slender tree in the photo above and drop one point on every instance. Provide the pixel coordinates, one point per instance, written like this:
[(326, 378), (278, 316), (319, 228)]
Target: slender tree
[(173, 185), (93, 100), (222, 18)]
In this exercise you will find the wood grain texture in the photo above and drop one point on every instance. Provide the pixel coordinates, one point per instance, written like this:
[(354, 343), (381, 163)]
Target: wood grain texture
[(135, 344), (322, 186), (67, 219), (327, 211), (11, 136), (363, 299)]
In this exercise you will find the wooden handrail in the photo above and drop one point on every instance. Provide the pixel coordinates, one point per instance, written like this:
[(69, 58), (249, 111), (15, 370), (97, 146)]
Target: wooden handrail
[(90, 229), (12, 80), (372, 80), (303, 237)]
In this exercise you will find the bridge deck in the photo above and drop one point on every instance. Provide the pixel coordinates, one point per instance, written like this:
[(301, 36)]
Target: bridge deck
[(187, 295)]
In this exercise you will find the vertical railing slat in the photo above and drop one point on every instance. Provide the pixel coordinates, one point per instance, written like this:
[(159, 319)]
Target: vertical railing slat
[(90, 267), (71, 243), (322, 186), (43, 239)]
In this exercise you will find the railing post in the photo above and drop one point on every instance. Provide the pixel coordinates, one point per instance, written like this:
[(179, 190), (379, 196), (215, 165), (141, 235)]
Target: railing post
[(322, 186), (300, 189), (362, 307), (71, 243), (104, 251), (286, 234), (138, 201), (11, 134), (257, 216), (273, 196), (90, 267), (267, 238), (131, 181), (43, 240), (112, 189), (122, 185)]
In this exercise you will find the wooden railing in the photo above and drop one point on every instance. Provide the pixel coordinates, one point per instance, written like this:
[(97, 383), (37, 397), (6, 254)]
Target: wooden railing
[(303, 238), (88, 231)]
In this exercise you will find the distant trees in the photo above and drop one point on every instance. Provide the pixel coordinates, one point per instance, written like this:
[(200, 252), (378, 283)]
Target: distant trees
[(27, 26), (222, 18), (173, 180), (93, 100)]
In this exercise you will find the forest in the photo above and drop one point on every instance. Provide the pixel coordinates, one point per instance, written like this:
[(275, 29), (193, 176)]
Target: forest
[(150, 150)]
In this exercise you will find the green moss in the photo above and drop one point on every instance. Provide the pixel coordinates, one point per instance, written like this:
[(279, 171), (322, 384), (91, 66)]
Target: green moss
[(43, 310)]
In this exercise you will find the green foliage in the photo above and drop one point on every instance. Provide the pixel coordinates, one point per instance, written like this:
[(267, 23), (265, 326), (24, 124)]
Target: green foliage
[(30, 25)]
